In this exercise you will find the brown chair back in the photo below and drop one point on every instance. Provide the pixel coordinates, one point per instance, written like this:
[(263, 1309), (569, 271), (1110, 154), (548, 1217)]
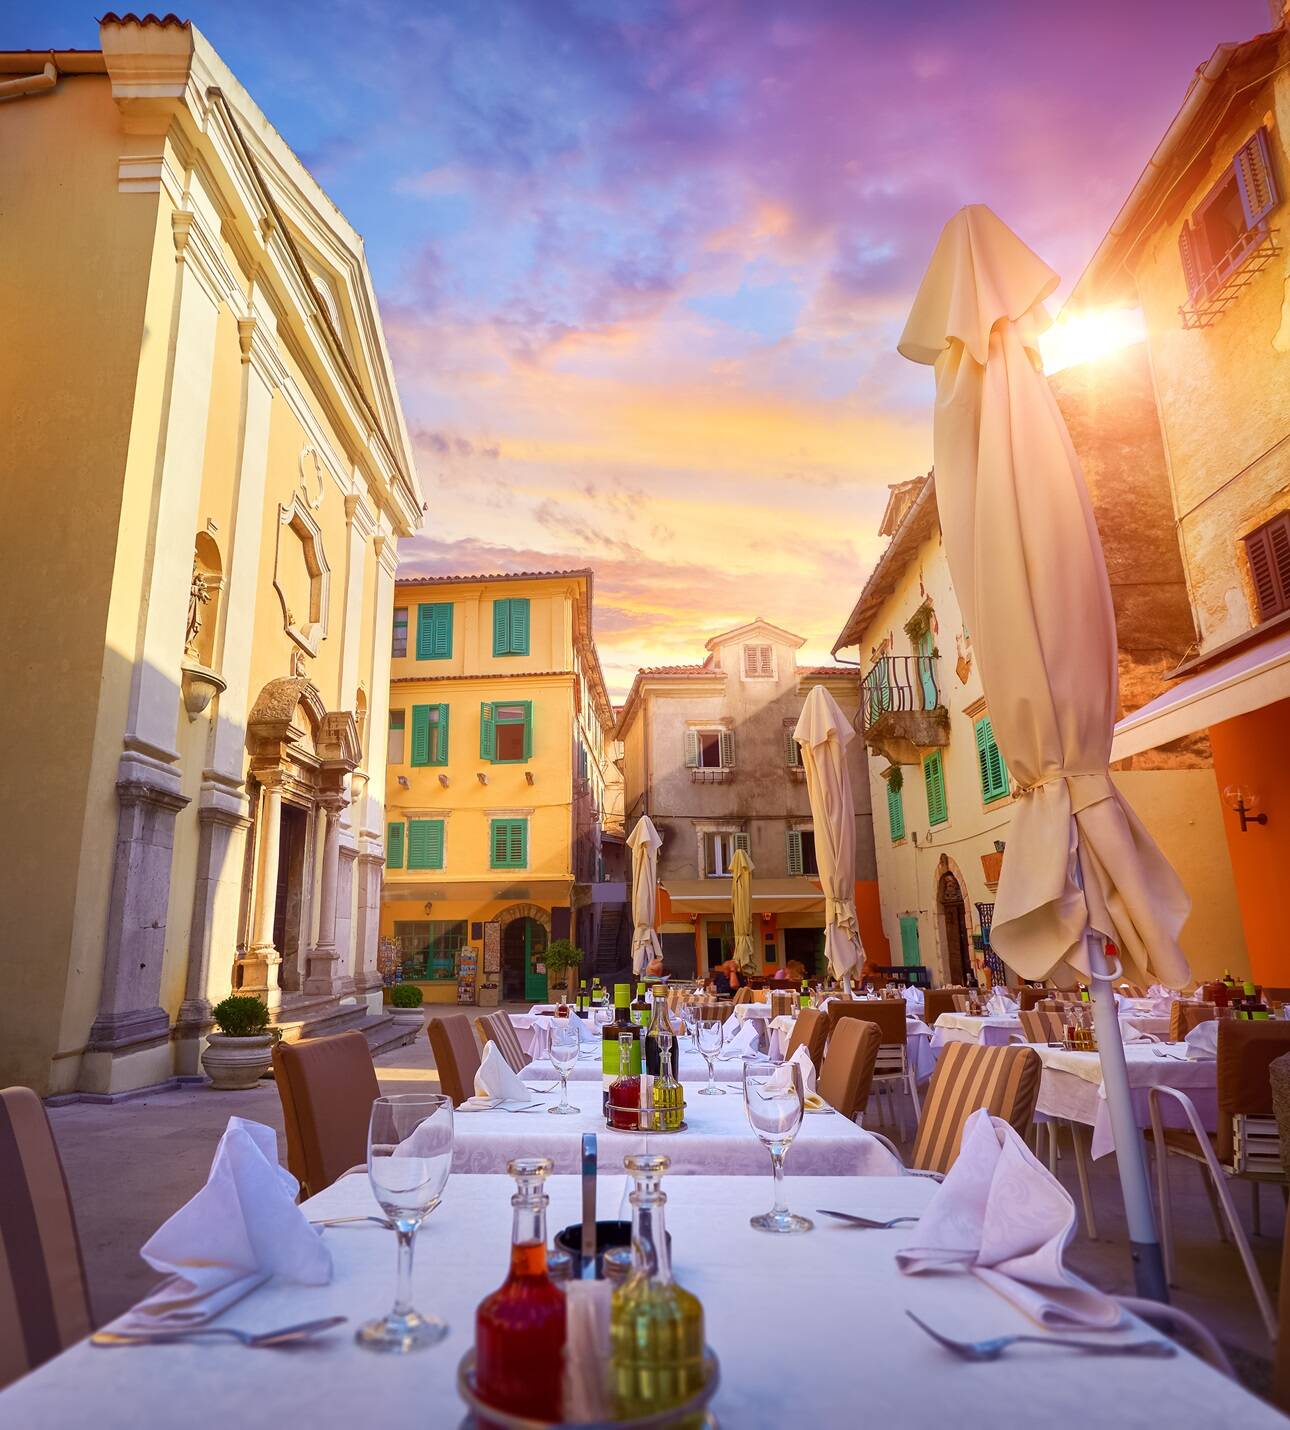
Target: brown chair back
[(1028, 997), (326, 1087), (1245, 1050), (44, 1300), (1183, 1017), (937, 1001), (1041, 1027), (784, 1004), (810, 1031), (706, 1011), (456, 1055), (498, 1028), (743, 994), (890, 1019), (847, 1074), (1005, 1081)]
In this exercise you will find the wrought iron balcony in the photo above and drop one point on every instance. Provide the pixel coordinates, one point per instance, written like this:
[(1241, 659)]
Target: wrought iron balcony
[(903, 711)]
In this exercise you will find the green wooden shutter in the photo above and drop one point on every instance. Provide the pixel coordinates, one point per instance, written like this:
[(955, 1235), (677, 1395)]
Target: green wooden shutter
[(909, 939), (691, 749), (727, 749), (517, 844), (394, 846), (895, 812), (497, 844), (520, 626), (442, 631), (425, 631), (508, 843), (934, 783), (487, 736), (794, 851), (528, 729), (994, 773), (501, 628), (420, 734), (425, 844), (439, 746)]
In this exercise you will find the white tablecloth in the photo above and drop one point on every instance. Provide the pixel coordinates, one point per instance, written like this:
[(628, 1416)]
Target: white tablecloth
[(920, 1045), (965, 1028), (841, 1284), (717, 1139), (523, 1022), (1071, 1087)]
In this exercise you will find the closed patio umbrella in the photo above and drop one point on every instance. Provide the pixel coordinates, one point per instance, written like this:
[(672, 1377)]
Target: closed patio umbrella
[(644, 842), (824, 732), (741, 870), (1027, 566)]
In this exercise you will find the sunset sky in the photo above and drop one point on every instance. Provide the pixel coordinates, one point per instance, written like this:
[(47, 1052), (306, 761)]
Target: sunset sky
[(642, 266)]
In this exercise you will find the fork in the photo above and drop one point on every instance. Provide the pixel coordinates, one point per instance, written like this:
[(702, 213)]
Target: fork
[(255, 1340), (353, 1221), (867, 1222), (992, 1349)]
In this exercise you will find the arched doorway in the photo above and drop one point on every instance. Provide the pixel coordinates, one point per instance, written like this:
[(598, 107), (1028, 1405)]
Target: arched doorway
[(949, 900), (523, 961)]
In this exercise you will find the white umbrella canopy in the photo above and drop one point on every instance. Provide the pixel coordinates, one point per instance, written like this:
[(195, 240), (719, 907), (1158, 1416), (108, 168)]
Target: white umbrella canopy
[(741, 872), (824, 733), (1027, 566), (644, 842)]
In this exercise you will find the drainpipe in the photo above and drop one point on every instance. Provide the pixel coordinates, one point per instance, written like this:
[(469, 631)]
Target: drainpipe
[(26, 84)]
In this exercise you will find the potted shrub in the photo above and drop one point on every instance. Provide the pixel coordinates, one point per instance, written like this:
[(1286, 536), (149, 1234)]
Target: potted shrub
[(239, 1055), (562, 957), (405, 1006)]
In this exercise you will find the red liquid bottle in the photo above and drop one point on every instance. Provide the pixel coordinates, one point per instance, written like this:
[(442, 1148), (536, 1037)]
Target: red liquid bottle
[(520, 1328), (624, 1101)]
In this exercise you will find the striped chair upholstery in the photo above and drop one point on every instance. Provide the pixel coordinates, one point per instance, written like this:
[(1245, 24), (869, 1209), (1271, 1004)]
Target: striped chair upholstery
[(847, 1075), (498, 1028), (1041, 1027), (743, 995), (705, 1010), (44, 1301), (1069, 1010), (810, 1031), (784, 1004), (327, 1087), (1005, 1081), (456, 1055)]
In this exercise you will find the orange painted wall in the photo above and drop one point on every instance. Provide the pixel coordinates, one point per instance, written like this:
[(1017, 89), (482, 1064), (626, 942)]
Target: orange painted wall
[(869, 918), (1250, 751)]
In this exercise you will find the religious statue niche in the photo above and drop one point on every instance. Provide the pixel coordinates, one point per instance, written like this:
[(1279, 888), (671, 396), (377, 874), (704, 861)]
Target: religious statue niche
[(203, 601)]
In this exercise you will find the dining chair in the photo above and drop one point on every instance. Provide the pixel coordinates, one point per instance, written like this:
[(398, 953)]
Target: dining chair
[(895, 1068), (743, 994), (498, 1028), (456, 1055), (1183, 1017), (847, 1075), (706, 1010), (326, 1087), (1028, 997), (810, 1031), (1041, 1025), (44, 1298), (784, 1004), (1246, 1145), (1005, 1081), (937, 1001)]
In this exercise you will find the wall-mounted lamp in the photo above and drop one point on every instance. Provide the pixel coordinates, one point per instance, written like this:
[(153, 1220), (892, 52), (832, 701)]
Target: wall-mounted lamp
[(481, 777), (528, 775), (1244, 802), (443, 780), (404, 782)]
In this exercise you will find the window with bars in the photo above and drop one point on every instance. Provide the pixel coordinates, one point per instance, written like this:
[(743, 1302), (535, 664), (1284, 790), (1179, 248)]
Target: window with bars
[(896, 812), (425, 843), (934, 785), (792, 750), (508, 841), (506, 731), (394, 746), (1268, 551), (434, 630), (801, 853), (719, 851), (709, 749), (759, 662), (1230, 221), (993, 771), (394, 846), (429, 735), (511, 626), (399, 638)]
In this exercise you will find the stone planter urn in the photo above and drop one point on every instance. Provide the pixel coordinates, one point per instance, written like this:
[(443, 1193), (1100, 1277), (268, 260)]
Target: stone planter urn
[(234, 1064), (407, 1020)]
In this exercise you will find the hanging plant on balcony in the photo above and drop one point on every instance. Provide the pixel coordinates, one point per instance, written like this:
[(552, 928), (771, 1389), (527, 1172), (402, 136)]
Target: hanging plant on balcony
[(917, 626), (895, 777)]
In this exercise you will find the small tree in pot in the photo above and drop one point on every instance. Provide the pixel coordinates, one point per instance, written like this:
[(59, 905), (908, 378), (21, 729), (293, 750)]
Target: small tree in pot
[(405, 1007), (562, 957), (238, 1056)]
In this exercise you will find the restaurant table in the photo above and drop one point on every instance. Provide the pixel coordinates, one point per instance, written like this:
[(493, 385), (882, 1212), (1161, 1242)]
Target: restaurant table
[(1071, 1087), (717, 1138), (837, 1285), (523, 1022), (992, 1032), (693, 1070)]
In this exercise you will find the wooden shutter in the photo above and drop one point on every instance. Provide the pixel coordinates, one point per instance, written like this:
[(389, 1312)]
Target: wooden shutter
[(727, 741), (793, 751), (439, 746), (394, 846), (487, 734), (895, 813), (1268, 552), (497, 854), (1189, 258), (501, 627), (994, 773), (1255, 179), (691, 749), (442, 631), (517, 844), (741, 841), (794, 841), (934, 783), (520, 626), (425, 631), (528, 729), (425, 844), (420, 734)]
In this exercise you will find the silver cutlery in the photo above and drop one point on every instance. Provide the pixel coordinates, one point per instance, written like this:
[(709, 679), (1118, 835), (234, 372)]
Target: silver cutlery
[(867, 1222), (992, 1349), (255, 1340), (352, 1221)]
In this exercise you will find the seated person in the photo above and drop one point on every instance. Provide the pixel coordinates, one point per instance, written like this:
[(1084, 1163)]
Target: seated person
[(725, 979), (654, 968)]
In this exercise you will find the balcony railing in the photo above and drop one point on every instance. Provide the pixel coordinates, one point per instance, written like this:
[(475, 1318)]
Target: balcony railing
[(900, 683)]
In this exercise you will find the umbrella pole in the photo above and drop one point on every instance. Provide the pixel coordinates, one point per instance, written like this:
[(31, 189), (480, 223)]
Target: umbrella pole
[(1130, 1154)]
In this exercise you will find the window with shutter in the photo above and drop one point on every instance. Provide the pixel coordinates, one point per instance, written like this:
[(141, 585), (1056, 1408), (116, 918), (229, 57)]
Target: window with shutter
[(896, 813), (1268, 551), (726, 749), (794, 841), (994, 773), (1254, 175), (421, 733), (934, 784), (759, 662), (434, 630), (425, 844), (394, 746), (742, 841), (511, 626), (1188, 257), (508, 843), (438, 735), (394, 846), (692, 750), (487, 742), (792, 750), (512, 736), (399, 639), (1229, 224)]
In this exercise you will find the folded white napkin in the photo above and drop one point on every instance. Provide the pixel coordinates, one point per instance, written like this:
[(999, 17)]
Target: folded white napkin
[(241, 1229), (740, 1044), (1003, 1216), (781, 1080), (913, 1000), (497, 1079), (1130, 1033), (1001, 1006), (781, 1031), (1202, 1042)]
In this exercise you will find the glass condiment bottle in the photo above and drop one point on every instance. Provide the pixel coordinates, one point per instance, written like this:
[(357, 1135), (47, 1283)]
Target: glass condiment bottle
[(520, 1328), (655, 1326), (610, 1035), (623, 1099), (658, 1020), (667, 1096)]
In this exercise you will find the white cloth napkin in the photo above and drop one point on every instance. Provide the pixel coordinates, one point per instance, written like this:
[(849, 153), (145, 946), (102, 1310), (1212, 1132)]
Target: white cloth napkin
[(1001, 1006), (1202, 1042), (742, 1044), (497, 1079), (1003, 1216), (781, 1031), (781, 1080), (239, 1231), (1131, 1033), (913, 1000)]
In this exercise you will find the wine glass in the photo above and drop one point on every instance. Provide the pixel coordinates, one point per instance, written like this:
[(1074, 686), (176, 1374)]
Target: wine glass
[(409, 1156), (707, 1038), (773, 1101), (565, 1042)]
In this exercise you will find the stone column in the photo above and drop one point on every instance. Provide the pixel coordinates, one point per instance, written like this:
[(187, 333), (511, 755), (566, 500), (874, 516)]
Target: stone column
[(257, 972), (367, 976), (321, 976), (345, 942)]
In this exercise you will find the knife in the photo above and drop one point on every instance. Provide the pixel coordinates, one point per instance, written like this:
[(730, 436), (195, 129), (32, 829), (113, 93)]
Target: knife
[(587, 1271)]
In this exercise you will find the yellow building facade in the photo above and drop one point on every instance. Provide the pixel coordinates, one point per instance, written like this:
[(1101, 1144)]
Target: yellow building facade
[(207, 474), (498, 765)]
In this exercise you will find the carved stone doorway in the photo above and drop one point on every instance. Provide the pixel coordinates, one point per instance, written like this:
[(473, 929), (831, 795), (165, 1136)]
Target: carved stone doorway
[(953, 912), (290, 904)]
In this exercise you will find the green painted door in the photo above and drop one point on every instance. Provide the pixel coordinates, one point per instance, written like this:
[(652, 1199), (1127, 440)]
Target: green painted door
[(535, 985), (926, 675)]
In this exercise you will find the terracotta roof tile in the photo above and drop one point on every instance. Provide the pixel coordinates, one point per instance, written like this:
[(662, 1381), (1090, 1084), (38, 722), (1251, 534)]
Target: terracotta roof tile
[(130, 18), (493, 576)]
